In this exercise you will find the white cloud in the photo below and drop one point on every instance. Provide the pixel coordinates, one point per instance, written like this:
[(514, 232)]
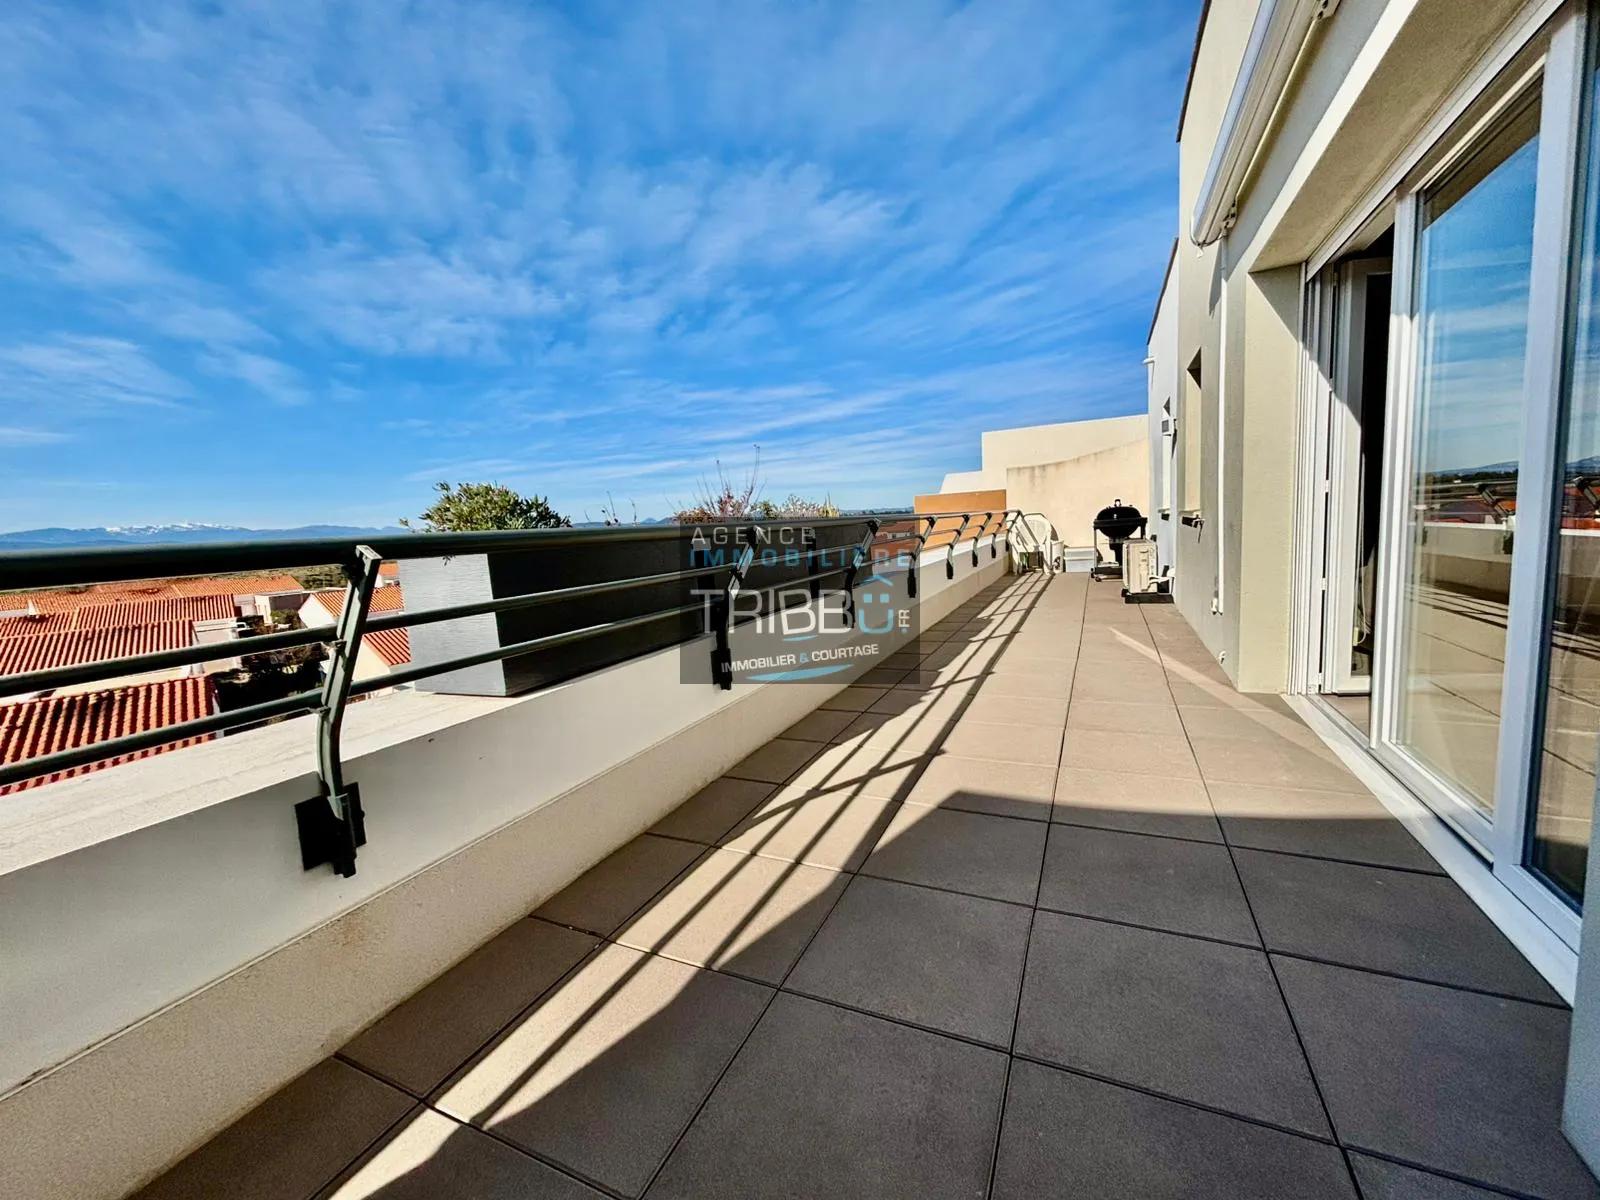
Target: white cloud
[(12, 436)]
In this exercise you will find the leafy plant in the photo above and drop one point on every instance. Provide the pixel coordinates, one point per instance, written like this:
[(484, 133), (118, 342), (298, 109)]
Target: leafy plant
[(472, 507), (730, 501)]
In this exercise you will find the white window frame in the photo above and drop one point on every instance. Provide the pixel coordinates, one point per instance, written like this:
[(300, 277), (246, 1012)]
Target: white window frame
[(1551, 38)]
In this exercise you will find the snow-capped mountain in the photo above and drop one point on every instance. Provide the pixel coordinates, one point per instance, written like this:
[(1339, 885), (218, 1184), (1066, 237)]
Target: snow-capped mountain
[(185, 533)]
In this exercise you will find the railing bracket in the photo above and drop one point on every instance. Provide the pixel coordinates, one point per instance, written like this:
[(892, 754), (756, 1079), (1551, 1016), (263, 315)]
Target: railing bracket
[(328, 836)]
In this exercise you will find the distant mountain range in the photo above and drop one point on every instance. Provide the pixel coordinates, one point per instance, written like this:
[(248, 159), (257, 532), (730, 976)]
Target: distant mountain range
[(186, 534)]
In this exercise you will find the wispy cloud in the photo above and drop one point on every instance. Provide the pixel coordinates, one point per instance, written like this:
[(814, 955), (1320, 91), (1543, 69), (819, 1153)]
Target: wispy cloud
[(584, 254)]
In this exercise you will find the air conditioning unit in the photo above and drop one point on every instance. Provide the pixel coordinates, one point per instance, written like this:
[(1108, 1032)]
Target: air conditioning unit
[(1141, 582)]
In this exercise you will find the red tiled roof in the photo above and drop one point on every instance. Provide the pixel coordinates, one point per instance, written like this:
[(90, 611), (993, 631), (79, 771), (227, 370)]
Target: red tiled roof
[(121, 615), (391, 645), (40, 652), (156, 589), (31, 626), (257, 585), (38, 727), (384, 599)]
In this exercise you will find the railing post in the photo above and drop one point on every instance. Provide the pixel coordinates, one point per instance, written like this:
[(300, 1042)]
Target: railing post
[(809, 536), (916, 558), (722, 613), (333, 824), (950, 557), (863, 550), (978, 537)]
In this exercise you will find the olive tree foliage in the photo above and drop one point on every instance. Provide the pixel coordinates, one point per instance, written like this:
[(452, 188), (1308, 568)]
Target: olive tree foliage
[(473, 507)]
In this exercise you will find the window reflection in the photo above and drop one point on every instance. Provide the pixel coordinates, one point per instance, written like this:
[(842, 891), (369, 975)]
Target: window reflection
[(1475, 252), (1558, 845)]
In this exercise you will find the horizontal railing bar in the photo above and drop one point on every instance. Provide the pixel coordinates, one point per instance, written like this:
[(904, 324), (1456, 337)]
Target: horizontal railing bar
[(395, 678), (24, 569), (79, 756), (480, 608), (162, 660)]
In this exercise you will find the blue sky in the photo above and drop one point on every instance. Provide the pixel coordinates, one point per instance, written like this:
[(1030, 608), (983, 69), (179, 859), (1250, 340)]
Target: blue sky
[(277, 263)]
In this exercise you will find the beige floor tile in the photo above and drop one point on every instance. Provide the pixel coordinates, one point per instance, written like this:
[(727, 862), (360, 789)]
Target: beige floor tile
[(1275, 762), (739, 913), (1128, 752), (989, 707), (1006, 789), (637, 1038), (833, 829), (1159, 717), (1005, 743), (1135, 803), (423, 1040), (605, 896)]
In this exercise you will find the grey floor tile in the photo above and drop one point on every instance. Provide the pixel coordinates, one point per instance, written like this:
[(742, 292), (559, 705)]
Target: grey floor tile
[(714, 809), (1040, 744), (1420, 926), (1384, 1180), (1181, 886), (820, 725), (1192, 1019), (856, 699), (1081, 1139), (419, 1043), (965, 852), (1135, 803), (605, 1072), (737, 912), (834, 829), (1456, 1081), (1342, 825), (829, 1103), (291, 1144), (947, 962), (976, 785), (431, 1157), (1273, 762), (776, 761), (606, 895)]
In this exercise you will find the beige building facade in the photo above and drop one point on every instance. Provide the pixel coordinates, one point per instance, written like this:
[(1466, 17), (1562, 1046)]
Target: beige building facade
[(1374, 414)]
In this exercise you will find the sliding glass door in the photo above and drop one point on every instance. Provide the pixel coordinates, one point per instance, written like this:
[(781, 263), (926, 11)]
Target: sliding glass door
[(1486, 684), (1474, 256)]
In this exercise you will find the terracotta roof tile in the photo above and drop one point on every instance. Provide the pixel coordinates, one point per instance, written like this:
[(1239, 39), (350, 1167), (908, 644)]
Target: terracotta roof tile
[(391, 645), (384, 599), (40, 652), (67, 599), (38, 727)]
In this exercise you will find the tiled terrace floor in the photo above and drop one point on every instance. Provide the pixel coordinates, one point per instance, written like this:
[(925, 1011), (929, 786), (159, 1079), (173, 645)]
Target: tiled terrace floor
[(1040, 908)]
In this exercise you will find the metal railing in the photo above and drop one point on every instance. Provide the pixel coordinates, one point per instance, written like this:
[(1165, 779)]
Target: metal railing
[(332, 824)]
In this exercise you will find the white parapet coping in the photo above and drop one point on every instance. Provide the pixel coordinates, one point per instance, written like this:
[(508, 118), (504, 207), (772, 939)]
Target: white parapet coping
[(168, 965)]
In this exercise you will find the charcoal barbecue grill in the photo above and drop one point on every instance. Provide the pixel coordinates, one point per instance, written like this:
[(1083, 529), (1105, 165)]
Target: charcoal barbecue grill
[(1114, 524)]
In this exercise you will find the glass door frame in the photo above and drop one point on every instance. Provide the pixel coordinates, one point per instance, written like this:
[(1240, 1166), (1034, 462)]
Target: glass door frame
[(1559, 70), (1347, 339)]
